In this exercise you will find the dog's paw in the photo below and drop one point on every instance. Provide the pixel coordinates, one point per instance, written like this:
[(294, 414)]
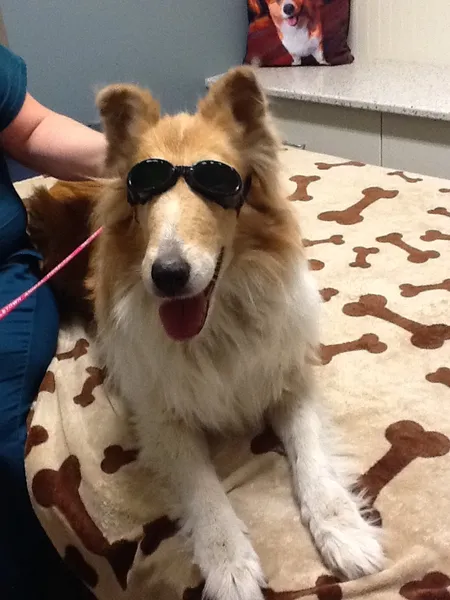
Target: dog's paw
[(347, 543), (352, 548), (232, 570), (235, 581)]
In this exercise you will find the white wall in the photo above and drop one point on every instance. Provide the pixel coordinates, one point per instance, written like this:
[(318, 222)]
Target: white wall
[(405, 30), (170, 46), (3, 36)]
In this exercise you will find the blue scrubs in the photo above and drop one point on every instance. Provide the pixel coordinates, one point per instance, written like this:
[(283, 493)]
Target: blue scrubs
[(30, 568)]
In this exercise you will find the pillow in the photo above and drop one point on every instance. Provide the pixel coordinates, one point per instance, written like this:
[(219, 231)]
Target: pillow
[(298, 32)]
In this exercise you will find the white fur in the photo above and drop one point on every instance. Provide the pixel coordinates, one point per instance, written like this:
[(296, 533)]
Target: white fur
[(300, 44), (167, 241), (249, 362)]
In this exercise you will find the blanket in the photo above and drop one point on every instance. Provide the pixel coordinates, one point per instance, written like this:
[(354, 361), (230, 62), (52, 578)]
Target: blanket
[(379, 244)]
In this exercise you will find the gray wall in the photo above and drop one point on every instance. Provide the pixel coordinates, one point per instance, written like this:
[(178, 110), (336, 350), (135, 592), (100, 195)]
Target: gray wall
[(73, 47)]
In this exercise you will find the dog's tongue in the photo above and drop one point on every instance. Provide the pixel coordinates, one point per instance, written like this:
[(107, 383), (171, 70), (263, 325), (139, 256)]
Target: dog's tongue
[(292, 21), (184, 319)]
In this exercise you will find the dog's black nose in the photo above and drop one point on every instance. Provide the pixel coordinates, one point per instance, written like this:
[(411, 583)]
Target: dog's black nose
[(170, 275), (289, 9)]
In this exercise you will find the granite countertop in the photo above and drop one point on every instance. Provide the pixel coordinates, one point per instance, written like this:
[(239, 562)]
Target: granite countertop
[(384, 86)]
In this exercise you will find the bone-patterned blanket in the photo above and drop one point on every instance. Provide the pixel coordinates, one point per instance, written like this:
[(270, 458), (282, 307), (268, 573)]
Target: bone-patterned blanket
[(379, 242)]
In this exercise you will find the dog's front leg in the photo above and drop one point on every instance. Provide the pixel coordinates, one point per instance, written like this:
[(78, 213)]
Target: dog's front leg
[(322, 484), (221, 547), (318, 55)]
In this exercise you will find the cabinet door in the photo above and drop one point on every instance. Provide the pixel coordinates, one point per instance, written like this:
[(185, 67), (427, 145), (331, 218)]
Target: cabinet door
[(345, 132), (416, 145)]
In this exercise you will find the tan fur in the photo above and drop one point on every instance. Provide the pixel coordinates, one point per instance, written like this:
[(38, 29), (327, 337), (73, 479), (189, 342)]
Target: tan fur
[(58, 223), (125, 110), (230, 126), (250, 362)]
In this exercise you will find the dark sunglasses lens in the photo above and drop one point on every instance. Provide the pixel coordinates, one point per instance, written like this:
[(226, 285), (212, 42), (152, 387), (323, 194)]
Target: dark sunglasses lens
[(149, 177), (217, 180)]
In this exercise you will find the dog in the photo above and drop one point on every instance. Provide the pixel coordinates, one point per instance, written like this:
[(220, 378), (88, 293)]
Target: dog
[(206, 317), (299, 28)]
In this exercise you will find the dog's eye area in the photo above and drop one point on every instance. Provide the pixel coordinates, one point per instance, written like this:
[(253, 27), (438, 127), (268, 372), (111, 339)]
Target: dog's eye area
[(149, 178), (214, 180)]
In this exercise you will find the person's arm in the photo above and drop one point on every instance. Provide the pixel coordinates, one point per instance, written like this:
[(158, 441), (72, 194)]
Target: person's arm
[(53, 144)]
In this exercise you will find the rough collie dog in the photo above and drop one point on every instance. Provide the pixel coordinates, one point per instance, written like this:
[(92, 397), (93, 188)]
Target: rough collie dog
[(299, 28), (206, 318)]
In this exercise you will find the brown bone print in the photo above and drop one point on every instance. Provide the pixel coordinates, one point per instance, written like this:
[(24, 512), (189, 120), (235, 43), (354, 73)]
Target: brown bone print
[(432, 235), (96, 378), (442, 375), (423, 336), (328, 293), (406, 177), (445, 190), (79, 350), (409, 441), (156, 532), (361, 257), (115, 457), (409, 291), (337, 240), (60, 489), (48, 383), (414, 254), (195, 593), (326, 588), (434, 586), (37, 435), (369, 342), (316, 265), (323, 166), (353, 214), (302, 182), (439, 210), (267, 441)]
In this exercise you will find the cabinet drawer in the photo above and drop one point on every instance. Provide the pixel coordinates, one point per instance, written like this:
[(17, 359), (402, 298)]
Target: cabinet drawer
[(345, 132), (417, 145)]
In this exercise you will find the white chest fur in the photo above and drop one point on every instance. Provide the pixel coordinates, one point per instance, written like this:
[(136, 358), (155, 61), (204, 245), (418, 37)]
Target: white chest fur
[(297, 41), (227, 377)]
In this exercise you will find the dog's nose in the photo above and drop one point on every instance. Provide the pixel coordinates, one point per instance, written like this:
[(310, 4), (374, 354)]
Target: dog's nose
[(289, 9), (170, 275)]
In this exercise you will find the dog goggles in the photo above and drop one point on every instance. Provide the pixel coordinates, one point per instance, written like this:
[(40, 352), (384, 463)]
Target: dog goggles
[(213, 180)]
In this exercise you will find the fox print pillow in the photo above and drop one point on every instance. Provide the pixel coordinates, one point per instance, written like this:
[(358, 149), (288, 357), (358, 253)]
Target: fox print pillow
[(298, 32)]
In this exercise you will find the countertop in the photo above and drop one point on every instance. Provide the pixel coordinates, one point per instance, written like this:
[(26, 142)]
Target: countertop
[(384, 86)]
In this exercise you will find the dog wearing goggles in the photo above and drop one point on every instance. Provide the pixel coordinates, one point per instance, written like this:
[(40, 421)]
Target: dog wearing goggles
[(207, 316)]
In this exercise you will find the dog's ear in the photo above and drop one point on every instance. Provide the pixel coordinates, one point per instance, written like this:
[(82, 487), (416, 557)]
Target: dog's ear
[(238, 95), (237, 103), (127, 111), (309, 11)]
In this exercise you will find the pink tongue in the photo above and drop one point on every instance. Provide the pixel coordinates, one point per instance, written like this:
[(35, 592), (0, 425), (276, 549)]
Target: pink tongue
[(292, 21), (184, 319)]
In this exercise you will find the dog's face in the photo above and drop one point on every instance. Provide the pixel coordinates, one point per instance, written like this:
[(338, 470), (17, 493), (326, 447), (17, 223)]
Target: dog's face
[(180, 242), (290, 12)]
